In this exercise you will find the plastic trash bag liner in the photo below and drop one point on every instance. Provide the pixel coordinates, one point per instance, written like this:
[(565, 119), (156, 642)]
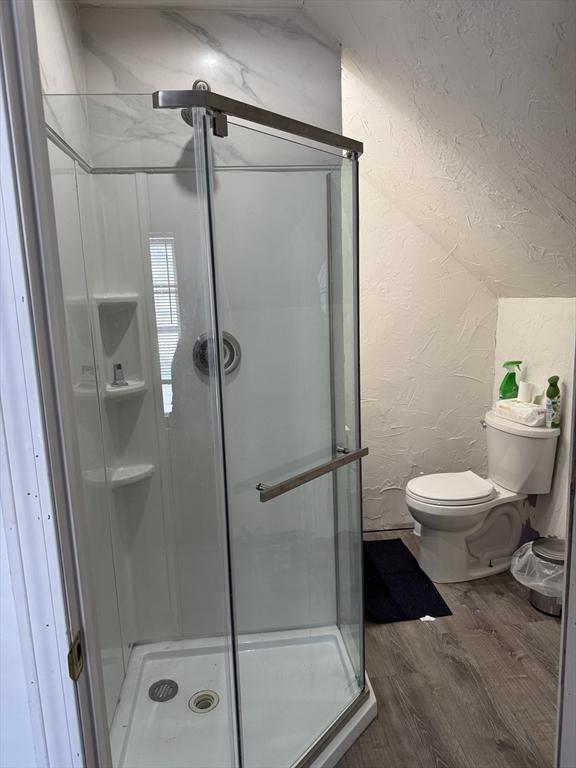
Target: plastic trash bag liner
[(540, 575)]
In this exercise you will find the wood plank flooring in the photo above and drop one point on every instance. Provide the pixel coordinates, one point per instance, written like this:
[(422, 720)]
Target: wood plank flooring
[(473, 690)]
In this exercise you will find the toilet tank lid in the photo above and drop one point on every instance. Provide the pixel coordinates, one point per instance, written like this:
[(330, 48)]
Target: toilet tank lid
[(452, 488), (514, 428)]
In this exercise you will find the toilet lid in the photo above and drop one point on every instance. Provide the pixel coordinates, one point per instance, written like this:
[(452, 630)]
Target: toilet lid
[(451, 488)]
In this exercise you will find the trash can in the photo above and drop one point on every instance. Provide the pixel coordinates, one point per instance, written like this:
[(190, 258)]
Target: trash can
[(539, 565)]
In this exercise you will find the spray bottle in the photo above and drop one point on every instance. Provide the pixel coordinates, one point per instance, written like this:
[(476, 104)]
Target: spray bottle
[(509, 386), (553, 403)]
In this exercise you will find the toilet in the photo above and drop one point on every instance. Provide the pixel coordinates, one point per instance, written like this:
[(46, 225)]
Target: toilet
[(470, 526)]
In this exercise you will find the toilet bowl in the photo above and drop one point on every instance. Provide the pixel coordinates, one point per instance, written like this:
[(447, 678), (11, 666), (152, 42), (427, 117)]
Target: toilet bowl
[(470, 526)]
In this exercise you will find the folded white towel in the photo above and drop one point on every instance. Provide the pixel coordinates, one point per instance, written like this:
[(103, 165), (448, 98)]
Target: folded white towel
[(531, 414)]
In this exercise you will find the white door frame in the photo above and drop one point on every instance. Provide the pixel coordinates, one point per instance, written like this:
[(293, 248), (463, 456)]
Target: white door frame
[(37, 393), (48, 560)]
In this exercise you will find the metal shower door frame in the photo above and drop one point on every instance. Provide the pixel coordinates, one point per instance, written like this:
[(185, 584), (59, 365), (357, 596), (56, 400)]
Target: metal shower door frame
[(217, 104)]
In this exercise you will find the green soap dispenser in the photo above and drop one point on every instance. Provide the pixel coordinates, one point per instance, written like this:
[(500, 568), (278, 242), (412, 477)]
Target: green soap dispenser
[(553, 403), (509, 387)]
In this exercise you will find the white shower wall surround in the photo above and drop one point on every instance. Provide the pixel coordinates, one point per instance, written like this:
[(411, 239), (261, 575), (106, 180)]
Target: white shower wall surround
[(160, 539), (155, 458), (252, 309), (99, 519), (62, 68)]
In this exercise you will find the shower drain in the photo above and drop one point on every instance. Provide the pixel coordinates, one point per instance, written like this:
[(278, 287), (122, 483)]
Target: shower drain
[(163, 690), (203, 701)]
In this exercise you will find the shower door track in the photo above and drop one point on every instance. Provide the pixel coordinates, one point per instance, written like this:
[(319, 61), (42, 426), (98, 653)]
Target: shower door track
[(325, 738), (223, 105)]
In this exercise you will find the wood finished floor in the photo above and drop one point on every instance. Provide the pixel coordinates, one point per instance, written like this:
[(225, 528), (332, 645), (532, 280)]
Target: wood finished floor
[(473, 690)]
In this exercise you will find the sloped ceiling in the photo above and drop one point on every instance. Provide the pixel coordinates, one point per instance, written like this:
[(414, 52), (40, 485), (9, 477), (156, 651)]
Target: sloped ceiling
[(467, 111)]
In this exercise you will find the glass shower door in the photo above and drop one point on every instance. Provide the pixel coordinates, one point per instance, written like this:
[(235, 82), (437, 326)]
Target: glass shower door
[(224, 481), (281, 218)]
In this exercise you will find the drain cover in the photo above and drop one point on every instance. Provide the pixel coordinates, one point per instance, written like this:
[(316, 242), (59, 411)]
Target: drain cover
[(203, 701), (163, 690)]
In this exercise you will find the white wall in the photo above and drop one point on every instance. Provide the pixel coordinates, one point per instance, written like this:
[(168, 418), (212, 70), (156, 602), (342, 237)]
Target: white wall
[(277, 60), (39, 720), (17, 743), (97, 497), (61, 58), (427, 347), (282, 62), (59, 46), (541, 333), (468, 111)]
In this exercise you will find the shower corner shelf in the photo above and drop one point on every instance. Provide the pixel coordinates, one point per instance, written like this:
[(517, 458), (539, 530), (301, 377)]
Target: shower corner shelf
[(84, 390), (133, 388), (129, 474), (116, 298), (119, 476)]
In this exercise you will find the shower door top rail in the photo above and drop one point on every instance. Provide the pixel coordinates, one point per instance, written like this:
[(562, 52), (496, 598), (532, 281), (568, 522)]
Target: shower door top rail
[(269, 492), (215, 102)]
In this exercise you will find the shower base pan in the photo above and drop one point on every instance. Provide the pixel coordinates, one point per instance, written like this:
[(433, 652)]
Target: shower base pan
[(293, 686)]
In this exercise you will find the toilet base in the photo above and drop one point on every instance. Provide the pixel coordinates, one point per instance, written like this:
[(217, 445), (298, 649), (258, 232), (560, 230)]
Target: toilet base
[(461, 543), (445, 558)]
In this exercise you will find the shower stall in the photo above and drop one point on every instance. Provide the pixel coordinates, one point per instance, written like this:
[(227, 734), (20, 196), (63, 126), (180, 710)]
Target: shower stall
[(209, 261)]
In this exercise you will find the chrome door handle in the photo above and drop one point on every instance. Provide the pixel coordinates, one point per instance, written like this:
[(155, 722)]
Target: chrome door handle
[(269, 492)]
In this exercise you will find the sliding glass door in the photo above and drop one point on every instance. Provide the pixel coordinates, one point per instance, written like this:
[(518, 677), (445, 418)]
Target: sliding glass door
[(281, 217)]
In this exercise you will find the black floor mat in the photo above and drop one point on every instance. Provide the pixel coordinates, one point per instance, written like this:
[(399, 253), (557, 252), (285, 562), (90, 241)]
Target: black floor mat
[(395, 587)]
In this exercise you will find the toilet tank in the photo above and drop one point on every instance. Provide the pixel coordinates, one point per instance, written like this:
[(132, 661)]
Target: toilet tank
[(520, 458)]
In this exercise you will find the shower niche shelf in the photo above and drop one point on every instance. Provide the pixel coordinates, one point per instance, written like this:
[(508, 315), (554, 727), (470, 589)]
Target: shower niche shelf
[(119, 476), (117, 321), (84, 390), (131, 389)]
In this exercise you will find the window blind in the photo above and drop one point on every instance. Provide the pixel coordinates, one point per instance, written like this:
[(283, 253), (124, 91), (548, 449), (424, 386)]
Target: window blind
[(166, 307)]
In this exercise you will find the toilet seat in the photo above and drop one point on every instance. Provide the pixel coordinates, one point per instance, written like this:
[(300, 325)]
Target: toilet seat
[(451, 489)]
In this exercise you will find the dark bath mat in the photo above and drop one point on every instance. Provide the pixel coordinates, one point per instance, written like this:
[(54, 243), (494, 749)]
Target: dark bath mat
[(395, 587)]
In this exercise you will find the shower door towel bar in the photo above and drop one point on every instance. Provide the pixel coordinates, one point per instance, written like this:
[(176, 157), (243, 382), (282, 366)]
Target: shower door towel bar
[(268, 492)]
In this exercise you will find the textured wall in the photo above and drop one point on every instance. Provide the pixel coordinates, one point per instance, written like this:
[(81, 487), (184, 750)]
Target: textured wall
[(427, 336), (466, 110), (541, 333)]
